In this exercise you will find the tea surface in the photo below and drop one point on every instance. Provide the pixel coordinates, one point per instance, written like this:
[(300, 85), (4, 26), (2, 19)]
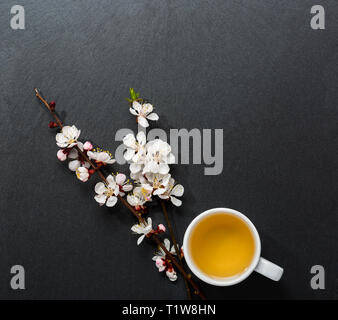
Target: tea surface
[(222, 245)]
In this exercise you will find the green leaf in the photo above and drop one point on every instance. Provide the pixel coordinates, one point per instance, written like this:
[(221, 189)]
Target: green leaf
[(133, 95)]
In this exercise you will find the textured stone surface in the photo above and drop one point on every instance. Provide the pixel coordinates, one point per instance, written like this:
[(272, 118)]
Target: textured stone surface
[(254, 68)]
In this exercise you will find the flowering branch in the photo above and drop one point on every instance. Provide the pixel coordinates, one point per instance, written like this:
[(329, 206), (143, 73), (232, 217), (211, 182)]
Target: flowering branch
[(143, 112), (67, 141)]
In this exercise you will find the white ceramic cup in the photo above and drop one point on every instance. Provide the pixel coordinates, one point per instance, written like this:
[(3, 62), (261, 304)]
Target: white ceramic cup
[(258, 264)]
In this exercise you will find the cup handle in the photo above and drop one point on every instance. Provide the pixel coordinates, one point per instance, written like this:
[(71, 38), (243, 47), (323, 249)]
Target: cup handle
[(269, 269)]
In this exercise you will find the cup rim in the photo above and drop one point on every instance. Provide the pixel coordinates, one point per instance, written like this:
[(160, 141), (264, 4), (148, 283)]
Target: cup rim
[(221, 281)]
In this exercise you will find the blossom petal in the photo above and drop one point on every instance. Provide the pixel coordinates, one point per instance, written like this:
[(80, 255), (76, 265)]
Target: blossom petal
[(127, 187), (111, 201), (100, 198), (147, 108), (163, 168), (163, 196), (173, 250), (133, 111), (176, 201), (128, 155), (153, 116), (60, 137), (120, 178), (73, 154), (129, 140), (111, 181), (137, 106), (167, 244), (100, 188), (159, 191), (140, 239), (141, 138), (67, 131), (103, 157), (138, 157), (74, 164), (143, 121), (90, 154), (80, 145), (75, 132), (171, 158), (166, 179), (61, 140), (134, 168), (86, 165), (178, 190), (151, 166), (132, 200), (117, 190), (137, 228)]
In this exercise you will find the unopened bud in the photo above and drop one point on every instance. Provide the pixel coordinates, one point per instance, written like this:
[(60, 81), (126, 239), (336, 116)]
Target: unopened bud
[(52, 105), (87, 146), (52, 124)]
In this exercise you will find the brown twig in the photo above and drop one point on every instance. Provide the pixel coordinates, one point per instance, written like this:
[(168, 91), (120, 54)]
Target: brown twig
[(173, 239), (154, 237)]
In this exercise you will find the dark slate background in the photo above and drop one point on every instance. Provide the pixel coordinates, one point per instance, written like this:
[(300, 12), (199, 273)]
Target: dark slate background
[(254, 68)]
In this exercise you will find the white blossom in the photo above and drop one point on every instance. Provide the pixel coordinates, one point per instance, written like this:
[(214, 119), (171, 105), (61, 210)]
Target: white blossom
[(138, 177), (158, 156), (140, 195), (160, 253), (158, 181), (76, 159), (135, 152), (123, 183), (143, 229), (68, 136), (143, 112), (62, 156), (172, 191), (101, 156), (107, 193), (82, 174), (162, 263)]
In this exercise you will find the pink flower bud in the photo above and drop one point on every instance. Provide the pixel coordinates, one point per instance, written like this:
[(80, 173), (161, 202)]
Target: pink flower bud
[(160, 264), (52, 105), (171, 274), (52, 124), (61, 155), (87, 146), (161, 228)]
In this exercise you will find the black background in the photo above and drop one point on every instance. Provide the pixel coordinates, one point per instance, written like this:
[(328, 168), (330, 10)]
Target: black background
[(254, 68)]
